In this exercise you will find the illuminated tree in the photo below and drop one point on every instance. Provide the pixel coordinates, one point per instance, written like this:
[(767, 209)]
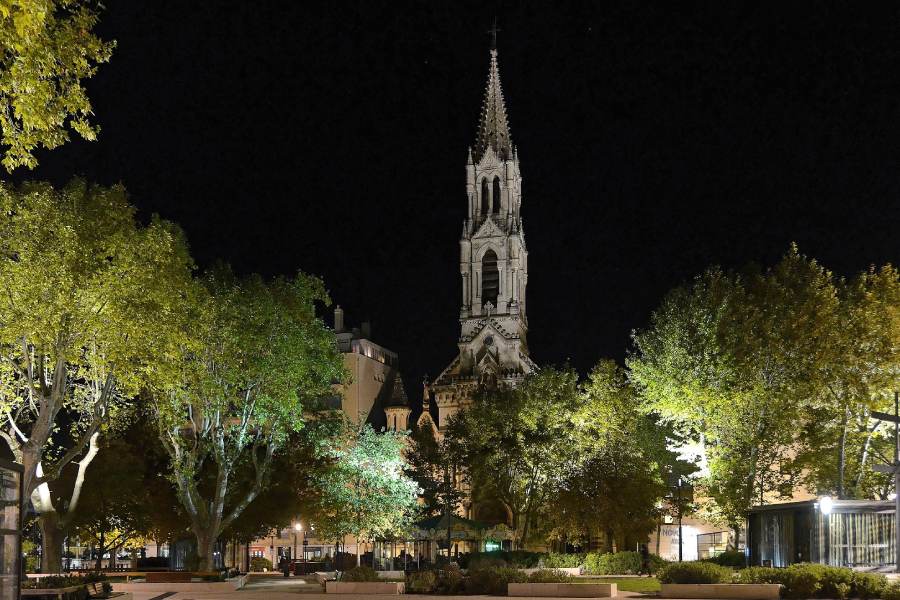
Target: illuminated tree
[(517, 445), (366, 493), (48, 48), (89, 314), (735, 358), (258, 358)]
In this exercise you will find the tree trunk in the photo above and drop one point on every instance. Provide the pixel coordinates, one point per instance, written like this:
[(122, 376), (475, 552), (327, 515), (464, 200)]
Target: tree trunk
[(842, 455), (737, 536), (206, 544), (52, 539), (358, 553), (100, 550)]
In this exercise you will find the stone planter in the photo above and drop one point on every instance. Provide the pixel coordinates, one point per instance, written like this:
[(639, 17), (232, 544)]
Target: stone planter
[(51, 592), (196, 586), (739, 591), (364, 587), (563, 590)]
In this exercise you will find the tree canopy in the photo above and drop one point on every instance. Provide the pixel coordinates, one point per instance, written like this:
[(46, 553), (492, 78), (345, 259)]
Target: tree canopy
[(48, 48)]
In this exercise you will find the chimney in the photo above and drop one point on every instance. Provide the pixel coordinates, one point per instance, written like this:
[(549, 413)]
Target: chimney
[(367, 330), (338, 319)]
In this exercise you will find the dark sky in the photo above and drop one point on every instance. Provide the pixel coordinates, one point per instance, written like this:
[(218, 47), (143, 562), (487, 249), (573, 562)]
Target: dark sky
[(654, 141)]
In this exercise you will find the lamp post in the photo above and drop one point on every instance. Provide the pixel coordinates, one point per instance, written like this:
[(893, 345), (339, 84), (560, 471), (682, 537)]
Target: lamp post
[(298, 527)]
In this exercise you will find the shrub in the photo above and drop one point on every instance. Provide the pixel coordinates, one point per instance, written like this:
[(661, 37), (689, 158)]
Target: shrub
[(493, 580), (694, 572), (259, 563), (549, 576), (359, 574), (450, 580), (868, 585), (798, 583), (618, 563), (562, 561), (422, 582), (729, 558), (891, 592), (657, 562)]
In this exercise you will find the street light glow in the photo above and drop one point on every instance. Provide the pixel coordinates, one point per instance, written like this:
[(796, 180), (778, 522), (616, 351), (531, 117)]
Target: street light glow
[(298, 526), (825, 505)]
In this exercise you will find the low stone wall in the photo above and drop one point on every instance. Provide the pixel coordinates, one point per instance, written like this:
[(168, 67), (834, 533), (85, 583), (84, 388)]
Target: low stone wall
[(365, 587), (563, 590), (573, 571), (196, 586), (739, 591)]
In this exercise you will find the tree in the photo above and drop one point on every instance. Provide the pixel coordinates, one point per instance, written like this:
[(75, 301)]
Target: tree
[(622, 455), (435, 469), (517, 445), (734, 358), (366, 493), (114, 509), (839, 437), (259, 357), (48, 48), (89, 314)]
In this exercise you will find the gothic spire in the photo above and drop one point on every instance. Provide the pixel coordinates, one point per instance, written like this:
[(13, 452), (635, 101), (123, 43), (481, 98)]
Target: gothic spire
[(493, 129)]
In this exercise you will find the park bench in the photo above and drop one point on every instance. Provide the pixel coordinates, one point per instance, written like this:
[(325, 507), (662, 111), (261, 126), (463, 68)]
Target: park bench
[(95, 590)]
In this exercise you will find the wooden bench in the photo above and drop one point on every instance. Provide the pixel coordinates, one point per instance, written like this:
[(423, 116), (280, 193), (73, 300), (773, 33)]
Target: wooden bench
[(95, 590), (169, 577)]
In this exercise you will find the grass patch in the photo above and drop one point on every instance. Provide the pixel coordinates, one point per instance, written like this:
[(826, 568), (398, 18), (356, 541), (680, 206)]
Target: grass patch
[(626, 584)]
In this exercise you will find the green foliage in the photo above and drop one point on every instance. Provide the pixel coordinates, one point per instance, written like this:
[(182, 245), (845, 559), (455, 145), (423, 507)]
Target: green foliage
[(891, 592), (48, 48), (366, 493), (807, 580), (694, 572), (517, 445), (362, 573), (731, 558), (259, 563), (61, 581), (258, 358), (450, 580), (422, 582), (433, 466), (522, 559), (493, 580), (562, 561), (549, 576), (613, 563)]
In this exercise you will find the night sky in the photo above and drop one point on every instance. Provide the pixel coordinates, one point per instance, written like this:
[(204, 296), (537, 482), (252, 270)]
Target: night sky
[(654, 141)]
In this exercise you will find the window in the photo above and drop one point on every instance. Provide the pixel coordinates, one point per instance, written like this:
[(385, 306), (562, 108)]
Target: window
[(484, 197), (490, 278), (496, 195)]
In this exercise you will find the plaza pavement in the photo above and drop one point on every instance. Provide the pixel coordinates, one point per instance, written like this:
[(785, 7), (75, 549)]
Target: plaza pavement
[(294, 589)]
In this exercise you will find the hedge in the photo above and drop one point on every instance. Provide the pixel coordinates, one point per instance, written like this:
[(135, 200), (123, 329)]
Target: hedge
[(619, 563), (694, 572)]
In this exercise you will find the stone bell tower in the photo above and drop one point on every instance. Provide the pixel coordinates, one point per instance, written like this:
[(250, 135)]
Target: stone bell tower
[(493, 264)]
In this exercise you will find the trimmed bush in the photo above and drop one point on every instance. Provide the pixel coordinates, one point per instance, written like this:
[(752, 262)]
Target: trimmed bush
[(730, 558), (450, 581), (549, 576), (694, 572), (498, 558), (869, 585), (493, 580), (359, 574), (259, 563), (562, 561), (891, 592), (422, 582), (618, 563)]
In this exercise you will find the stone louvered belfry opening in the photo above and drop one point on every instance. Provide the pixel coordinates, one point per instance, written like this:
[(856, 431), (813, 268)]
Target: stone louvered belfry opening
[(496, 195), (485, 197), (490, 278)]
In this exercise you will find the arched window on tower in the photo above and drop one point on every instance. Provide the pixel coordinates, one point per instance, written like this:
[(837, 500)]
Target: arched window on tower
[(496, 195), (490, 279), (485, 199)]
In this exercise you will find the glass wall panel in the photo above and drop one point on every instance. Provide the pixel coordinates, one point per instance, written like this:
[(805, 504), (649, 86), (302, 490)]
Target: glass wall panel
[(861, 539)]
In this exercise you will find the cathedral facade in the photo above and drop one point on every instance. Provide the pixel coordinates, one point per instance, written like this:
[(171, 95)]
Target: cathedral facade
[(493, 266)]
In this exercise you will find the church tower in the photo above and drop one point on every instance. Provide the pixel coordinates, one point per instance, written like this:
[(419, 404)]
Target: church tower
[(493, 264)]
